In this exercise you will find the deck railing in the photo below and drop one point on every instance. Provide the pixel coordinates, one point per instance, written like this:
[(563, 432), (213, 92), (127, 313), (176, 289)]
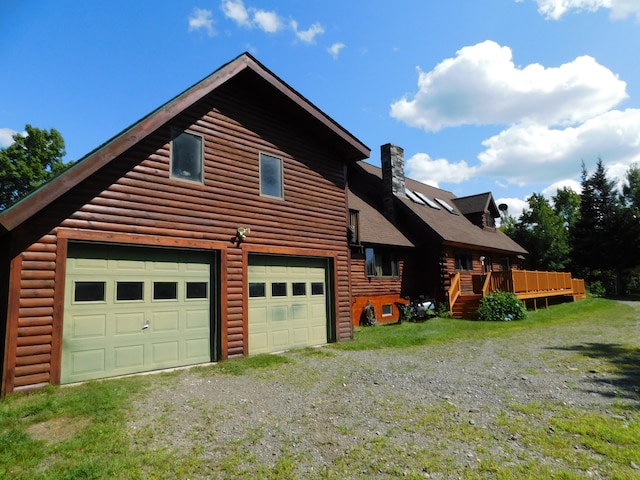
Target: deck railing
[(526, 284), (532, 283)]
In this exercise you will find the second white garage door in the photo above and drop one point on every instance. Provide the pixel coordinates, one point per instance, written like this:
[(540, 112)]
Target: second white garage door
[(287, 303)]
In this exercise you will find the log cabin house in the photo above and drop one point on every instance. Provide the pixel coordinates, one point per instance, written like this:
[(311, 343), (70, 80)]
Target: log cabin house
[(214, 227), (410, 239)]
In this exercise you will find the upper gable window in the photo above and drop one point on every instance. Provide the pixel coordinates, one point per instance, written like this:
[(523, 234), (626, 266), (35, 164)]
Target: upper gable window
[(186, 157), (271, 181)]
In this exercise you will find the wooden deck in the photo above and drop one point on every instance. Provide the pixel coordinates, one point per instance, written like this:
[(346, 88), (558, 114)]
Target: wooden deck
[(526, 284)]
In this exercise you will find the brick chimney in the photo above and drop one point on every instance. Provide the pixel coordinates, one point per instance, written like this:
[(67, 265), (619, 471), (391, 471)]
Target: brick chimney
[(392, 159)]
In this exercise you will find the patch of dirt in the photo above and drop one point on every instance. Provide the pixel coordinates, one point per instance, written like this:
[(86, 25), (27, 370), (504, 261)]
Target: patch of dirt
[(58, 429)]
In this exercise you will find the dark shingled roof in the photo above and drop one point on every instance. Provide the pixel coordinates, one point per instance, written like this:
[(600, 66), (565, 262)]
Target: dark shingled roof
[(450, 228), (480, 203), (374, 226)]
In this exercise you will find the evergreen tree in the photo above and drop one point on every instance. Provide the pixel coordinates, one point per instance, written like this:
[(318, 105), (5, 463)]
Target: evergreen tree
[(630, 199), (596, 236)]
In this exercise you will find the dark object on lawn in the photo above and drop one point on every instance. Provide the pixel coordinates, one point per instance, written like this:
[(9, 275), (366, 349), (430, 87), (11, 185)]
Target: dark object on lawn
[(368, 317), (417, 310)]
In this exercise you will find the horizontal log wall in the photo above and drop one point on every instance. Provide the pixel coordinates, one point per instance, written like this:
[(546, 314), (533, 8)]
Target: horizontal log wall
[(34, 334), (134, 195)]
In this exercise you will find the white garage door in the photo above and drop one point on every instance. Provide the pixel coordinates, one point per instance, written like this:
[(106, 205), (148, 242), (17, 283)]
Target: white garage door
[(131, 310), (287, 303)]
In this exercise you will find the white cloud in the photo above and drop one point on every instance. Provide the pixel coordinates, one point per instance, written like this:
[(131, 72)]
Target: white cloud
[(334, 50), (267, 21), (482, 85), (525, 154), (236, 11), (6, 136), (552, 189), (423, 168), (620, 9), (309, 35), (201, 19)]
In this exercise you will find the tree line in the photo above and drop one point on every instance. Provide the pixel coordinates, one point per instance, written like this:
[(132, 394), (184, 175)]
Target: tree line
[(594, 234)]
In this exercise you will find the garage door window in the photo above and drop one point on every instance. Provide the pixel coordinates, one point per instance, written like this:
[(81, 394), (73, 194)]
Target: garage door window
[(89, 292), (129, 291), (317, 288), (299, 288), (196, 290), (257, 290), (165, 291), (278, 289)]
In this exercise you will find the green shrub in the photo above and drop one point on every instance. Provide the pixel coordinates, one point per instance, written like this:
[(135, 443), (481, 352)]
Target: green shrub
[(501, 306)]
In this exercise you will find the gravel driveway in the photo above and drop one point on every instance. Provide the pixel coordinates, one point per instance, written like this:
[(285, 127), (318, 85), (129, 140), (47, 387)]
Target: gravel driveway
[(380, 414)]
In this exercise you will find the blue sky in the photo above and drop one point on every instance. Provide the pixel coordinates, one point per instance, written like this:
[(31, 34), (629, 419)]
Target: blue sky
[(507, 96)]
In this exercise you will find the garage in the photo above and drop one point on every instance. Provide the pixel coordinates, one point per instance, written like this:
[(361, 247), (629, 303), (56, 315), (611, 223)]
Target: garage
[(288, 303), (134, 309)]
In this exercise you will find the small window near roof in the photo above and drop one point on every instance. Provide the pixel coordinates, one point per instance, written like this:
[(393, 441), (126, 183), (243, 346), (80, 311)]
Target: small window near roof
[(271, 183), (186, 157)]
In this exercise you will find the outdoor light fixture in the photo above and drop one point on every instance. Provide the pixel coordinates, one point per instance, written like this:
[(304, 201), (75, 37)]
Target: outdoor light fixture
[(241, 235)]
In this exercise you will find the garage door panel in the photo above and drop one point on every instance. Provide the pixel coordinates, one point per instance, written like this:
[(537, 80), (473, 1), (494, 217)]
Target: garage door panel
[(165, 352), (279, 313), (129, 266), (196, 319), (116, 342), (280, 338), (258, 342), (91, 265), (128, 323), (197, 350), (128, 358), (88, 362), (299, 312), (89, 326), (301, 336), (163, 322)]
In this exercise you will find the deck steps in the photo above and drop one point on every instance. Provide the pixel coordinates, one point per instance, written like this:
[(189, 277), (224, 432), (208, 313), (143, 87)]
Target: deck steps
[(466, 306)]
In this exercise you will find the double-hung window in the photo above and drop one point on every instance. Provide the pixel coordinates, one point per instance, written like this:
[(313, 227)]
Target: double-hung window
[(187, 156), (271, 176), (380, 263)]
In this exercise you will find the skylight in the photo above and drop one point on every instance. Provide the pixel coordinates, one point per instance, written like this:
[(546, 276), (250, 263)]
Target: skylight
[(447, 206), (427, 200), (415, 198)]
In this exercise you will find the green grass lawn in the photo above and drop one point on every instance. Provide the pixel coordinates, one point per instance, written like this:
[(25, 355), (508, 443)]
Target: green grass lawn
[(81, 432)]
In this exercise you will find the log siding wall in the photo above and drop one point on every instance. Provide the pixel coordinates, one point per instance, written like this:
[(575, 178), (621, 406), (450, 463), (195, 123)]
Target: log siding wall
[(134, 200)]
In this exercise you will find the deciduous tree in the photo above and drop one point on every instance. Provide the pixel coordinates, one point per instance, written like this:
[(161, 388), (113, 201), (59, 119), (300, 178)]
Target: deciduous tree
[(33, 158)]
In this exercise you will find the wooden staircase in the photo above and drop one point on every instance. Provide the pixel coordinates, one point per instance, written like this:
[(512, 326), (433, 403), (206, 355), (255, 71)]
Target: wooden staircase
[(466, 306)]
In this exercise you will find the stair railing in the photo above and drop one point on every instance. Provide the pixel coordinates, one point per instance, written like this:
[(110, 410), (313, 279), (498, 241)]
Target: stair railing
[(454, 290)]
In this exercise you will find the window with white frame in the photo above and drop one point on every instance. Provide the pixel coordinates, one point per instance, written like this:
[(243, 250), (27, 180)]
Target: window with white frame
[(187, 156), (271, 176)]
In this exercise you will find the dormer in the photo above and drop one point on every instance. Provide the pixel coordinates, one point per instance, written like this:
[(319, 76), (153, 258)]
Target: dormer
[(481, 210)]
